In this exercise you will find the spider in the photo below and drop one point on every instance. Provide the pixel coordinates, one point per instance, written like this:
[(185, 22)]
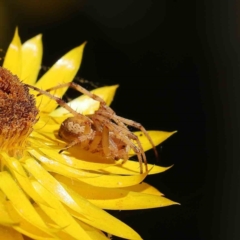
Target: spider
[(103, 132)]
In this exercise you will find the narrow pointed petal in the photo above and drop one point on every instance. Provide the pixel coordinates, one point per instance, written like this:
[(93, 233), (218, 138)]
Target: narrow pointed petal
[(13, 58), (67, 160), (118, 198), (19, 204), (63, 71), (5, 219), (88, 159), (19, 200), (92, 192), (47, 202), (54, 166), (32, 51), (133, 201), (27, 228), (10, 234), (20, 174), (157, 137), (78, 206), (86, 105), (94, 233), (102, 220), (48, 124), (144, 188), (112, 181), (55, 210), (131, 167)]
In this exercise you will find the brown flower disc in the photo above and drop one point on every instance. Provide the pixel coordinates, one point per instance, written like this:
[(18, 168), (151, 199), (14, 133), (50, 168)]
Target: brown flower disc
[(18, 112)]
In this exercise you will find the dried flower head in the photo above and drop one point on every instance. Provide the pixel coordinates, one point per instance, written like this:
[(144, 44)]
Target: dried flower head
[(47, 195)]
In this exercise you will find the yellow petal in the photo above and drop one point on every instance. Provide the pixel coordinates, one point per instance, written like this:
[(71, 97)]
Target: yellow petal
[(112, 181), (63, 71), (32, 51), (94, 233), (86, 105), (67, 160), (51, 207), (48, 124), (26, 227), (144, 188), (78, 206), (117, 198), (5, 219), (13, 58), (156, 136), (92, 192), (20, 174), (101, 219), (41, 139), (133, 201), (8, 233), (19, 202), (53, 166), (50, 140), (131, 167), (55, 210), (92, 161), (2, 196)]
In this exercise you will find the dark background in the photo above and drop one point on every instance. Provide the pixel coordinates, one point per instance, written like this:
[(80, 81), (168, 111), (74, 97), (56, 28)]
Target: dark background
[(177, 63)]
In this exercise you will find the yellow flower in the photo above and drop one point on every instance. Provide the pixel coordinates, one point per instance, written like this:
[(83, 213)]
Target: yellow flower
[(47, 195)]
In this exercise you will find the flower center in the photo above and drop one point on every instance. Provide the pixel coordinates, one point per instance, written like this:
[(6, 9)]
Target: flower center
[(18, 113)]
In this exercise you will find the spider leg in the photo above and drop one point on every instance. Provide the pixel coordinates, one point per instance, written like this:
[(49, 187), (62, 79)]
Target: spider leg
[(96, 140), (105, 141), (132, 136), (80, 89), (121, 134), (142, 129), (58, 100), (73, 143), (120, 121), (78, 140), (126, 136)]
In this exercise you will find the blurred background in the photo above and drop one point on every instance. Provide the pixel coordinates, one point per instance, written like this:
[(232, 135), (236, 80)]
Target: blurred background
[(177, 63)]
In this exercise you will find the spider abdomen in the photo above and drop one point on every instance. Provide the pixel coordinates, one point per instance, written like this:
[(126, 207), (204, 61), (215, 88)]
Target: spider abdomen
[(94, 138)]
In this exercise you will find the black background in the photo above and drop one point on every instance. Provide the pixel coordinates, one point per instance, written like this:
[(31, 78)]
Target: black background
[(177, 63)]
